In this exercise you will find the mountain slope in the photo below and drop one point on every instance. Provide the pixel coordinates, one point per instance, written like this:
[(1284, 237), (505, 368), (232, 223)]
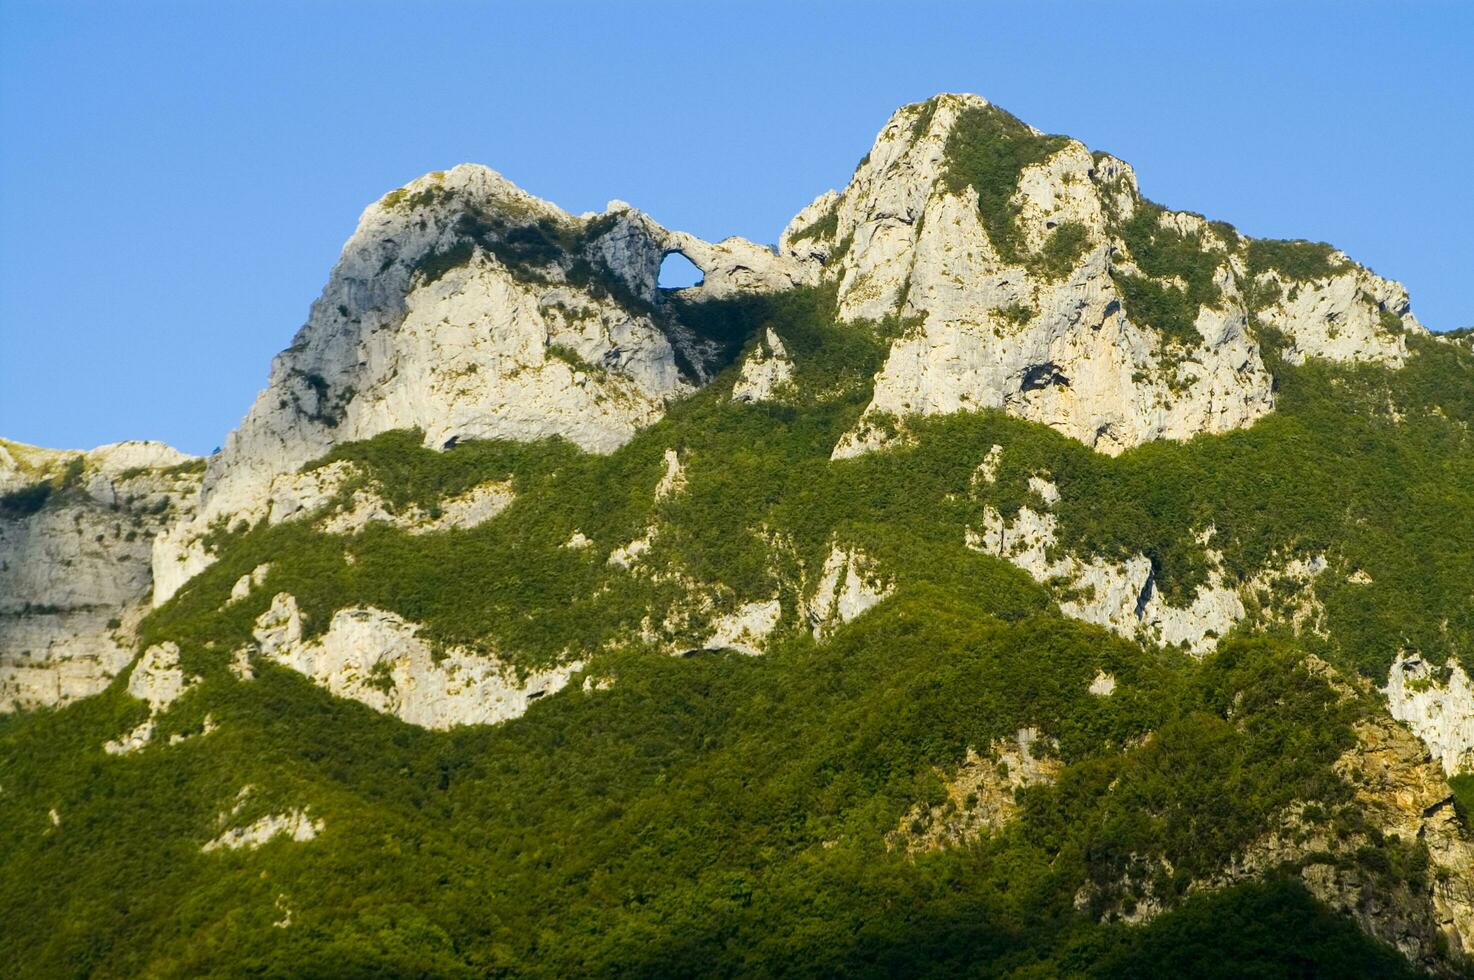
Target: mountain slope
[(1034, 588)]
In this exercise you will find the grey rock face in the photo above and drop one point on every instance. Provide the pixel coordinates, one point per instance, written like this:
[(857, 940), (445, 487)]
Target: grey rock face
[(1021, 326), (377, 658), (1438, 705), (468, 309), (76, 532)]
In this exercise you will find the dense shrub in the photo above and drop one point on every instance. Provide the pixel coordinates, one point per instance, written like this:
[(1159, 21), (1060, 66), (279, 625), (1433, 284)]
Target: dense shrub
[(722, 814)]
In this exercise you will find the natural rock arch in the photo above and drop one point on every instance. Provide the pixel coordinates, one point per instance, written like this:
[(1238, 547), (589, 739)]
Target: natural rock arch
[(678, 271)]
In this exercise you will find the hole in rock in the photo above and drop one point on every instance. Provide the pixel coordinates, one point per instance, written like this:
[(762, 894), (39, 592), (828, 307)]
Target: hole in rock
[(678, 272)]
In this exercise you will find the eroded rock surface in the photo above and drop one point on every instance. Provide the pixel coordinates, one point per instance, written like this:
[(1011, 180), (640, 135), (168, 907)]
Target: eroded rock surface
[(158, 680), (1438, 705), (765, 372), (76, 532), (469, 309), (295, 825), (980, 794), (379, 659), (1034, 315), (1122, 595), (850, 583), (746, 628)]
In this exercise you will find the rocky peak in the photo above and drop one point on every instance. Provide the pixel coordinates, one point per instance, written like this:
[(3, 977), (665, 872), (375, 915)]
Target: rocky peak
[(1020, 271), (1032, 276), (469, 308)]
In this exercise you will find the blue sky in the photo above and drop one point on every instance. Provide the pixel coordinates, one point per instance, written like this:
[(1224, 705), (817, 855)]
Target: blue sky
[(176, 179)]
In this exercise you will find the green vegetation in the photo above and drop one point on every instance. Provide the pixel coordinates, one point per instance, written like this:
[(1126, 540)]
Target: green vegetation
[(1063, 249), (434, 265), (716, 814), (721, 814), (1018, 314), (25, 501), (824, 228), (571, 357), (925, 112), (190, 467), (1297, 261), (1164, 254), (1330, 472), (988, 150), (50, 484)]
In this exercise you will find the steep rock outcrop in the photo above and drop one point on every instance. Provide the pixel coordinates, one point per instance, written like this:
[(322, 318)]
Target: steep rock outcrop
[(469, 309), (746, 628), (1122, 596), (1032, 277), (765, 372), (158, 680), (850, 583), (1438, 705), (1019, 271), (378, 659), (76, 532), (295, 825)]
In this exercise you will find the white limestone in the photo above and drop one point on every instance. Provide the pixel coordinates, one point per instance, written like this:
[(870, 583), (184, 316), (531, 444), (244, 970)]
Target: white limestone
[(673, 480), (241, 666), (1122, 596), (433, 319), (1044, 489), (1103, 684), (379, 659), (74, 573), (249, 582), (158, 680), (850, 583), (746, 628), (470, 509), (987, 471), (627, 555), (985, 332), (1438, 705), (294, 825), (1339, 318), (765, 373), (179, 553)]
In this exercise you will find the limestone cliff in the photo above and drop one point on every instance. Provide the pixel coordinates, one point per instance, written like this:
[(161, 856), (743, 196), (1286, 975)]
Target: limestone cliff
[(894, 610), (1019, 270), (1032, 276), (76, 531), (469, 309)]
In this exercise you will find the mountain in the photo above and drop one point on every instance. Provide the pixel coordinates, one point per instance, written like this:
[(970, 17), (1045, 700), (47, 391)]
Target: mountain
[(1002, 575)]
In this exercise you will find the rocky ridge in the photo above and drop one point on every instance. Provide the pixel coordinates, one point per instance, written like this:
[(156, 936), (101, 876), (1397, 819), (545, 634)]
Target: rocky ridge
[(1065, 301), (1028, 274), (466, 308), (469, 310)]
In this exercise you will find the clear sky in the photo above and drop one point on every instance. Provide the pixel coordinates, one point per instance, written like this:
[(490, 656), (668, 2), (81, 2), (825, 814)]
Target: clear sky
[(176, 179)]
